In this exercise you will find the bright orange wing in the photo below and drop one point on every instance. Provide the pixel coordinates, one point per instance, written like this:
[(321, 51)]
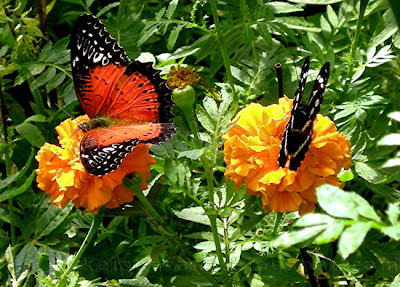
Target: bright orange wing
[(102, 150), (107, 86), (141, 95)]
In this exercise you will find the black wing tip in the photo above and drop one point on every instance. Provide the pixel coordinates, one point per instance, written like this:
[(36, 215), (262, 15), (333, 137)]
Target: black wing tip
[(293, 166), (325, 68), (167, 131)]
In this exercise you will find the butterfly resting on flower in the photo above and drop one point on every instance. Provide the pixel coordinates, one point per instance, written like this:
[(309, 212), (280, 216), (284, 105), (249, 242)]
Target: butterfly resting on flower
[(298, 131), (128, 103)]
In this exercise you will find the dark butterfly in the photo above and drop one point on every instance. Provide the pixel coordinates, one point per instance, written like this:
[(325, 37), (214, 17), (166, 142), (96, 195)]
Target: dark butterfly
[(127, 103), (298, 131)]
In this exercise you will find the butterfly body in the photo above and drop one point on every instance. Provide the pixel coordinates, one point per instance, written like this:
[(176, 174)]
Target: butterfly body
[(127, 103), (298, 131)]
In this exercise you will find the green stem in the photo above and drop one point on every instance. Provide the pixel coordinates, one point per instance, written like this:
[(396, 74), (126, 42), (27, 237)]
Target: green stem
[(89, 236), (214, 229), (226, 241), (7, 163), (165, 229), (222, 45), (353, 49), (278, 219)]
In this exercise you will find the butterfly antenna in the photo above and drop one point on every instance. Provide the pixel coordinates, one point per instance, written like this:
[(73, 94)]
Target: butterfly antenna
[(278, 69), (68, 114)]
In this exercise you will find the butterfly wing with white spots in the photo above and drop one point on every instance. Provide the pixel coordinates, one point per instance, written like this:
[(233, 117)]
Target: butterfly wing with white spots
[(298, 131)]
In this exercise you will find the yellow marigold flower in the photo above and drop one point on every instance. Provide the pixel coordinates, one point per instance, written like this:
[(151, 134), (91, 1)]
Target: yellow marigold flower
[(63, 177), (182, 77), (251, 154)]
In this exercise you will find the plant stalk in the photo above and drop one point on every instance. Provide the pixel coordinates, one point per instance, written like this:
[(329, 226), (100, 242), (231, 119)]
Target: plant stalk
[(353, 49), (7, 161), (278, 219), (89, 236), (222, 45)]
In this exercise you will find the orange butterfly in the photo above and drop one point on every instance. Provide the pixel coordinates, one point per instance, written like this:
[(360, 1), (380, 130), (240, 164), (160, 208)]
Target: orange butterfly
[(127, 103)]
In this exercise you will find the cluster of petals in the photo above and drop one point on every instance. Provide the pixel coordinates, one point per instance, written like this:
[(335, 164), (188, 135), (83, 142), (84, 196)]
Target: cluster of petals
[(179, 77), (62, 176), (252, 148)]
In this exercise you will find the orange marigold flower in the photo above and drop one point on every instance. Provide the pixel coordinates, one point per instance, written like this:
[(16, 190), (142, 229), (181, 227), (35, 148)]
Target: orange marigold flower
[(63, 177), (182, 76), (252, 147)]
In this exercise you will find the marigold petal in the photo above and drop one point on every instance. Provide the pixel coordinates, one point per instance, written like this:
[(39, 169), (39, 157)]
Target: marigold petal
[(285, 201), (273, 177)]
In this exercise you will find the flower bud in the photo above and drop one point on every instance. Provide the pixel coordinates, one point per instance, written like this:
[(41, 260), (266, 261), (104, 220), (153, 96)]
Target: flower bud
[(132, 181), (184, 99)]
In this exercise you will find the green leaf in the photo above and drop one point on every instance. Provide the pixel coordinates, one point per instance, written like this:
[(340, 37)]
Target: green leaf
[(312, 219), (9, 256), (13, 192), (388, 22), (390, 140), (107, 8), (396, 281), (372, 175), (28, 257), (239, 195), (55, 82), (205, 119), (171, 8), (206, 246), (44, 262), (352, 238), (173, 37), (67, 92), (389, 193), (393, 212), (201, 235), (31, 133), (336, 202), (392, 231), (240, 75), (170, 170), (291, 238), (395, 116), (315, 2), (51, 219), (36, 118), (150, 30), (137, 282), (148, 240), (325, 26), (8, 180), (44, 78), (193, 154), (27, 71), (211, 107), (332, 17), (331, 233), (346, 175), (283, 7), (193, 214), (363, 207)]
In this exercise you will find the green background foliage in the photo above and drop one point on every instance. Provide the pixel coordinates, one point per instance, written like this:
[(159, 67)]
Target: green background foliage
[(194, 229)]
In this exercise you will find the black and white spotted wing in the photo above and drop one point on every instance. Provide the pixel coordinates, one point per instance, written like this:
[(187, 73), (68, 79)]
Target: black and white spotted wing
[(298, 131)]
